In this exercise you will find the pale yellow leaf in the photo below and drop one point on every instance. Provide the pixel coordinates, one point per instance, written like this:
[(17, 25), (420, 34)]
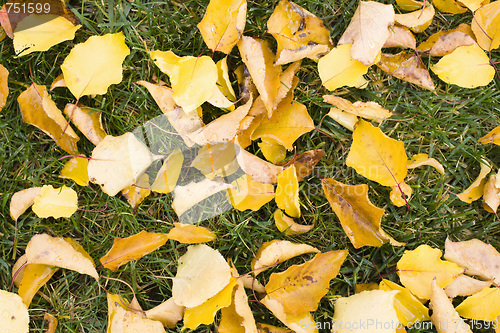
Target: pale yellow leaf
[(217, 160), (444, 317), (486, 26), (464, 285), (124, 321), (168, 313), (424, 159), (22, 200), (13, 313), (55, 202), (260, 170), (400, 37), (366, 110), (491, 195), (418, 20), (167, 176), (87, 120), (190, 234)]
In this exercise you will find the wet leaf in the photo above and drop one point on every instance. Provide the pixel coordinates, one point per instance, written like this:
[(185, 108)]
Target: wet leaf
[(55, 202)]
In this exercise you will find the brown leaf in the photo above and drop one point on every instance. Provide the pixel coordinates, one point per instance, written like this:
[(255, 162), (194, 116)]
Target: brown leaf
[(408, 67), (51, 322), (444, 42), (305, 162), (400, 37)]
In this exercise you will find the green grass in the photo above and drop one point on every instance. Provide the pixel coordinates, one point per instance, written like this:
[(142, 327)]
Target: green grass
[(446, 124)]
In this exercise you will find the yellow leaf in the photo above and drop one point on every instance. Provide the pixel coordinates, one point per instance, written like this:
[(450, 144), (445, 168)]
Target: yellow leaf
[(76, 170), (87, 120), (55, 251), (338, 69), (167, 176), (360, 218), (408, 5), (202, 272), (360, 287), (165, 60), (13, 313), (128, 321), (491, 195), (400, 37), (476, 189), (249, 194), (216, 160), (273, 151), (18, 270), (287, 225), (118, 162), (345, 119), (22, 200), (368, 31), (190, 234), (491, 137), (305, 162), (464, 285), (449, 6), (287, 192), (486, 26), (237, 317), (484, 305), (473, 5), (41, 32), (397, 193), (52, 322), (265, 328), (223, 24), (417, 269), (4, 87), (467, 67), (35, 276), (408, 308), (406, 66), (444, 42), (91, 67), (299, 33), (260, 170), (135, 194), (132, 248), (58, 82), (423, 159), (168, 313), (277, 251), (444, 315), (38, 109), (376, 156), (224, 83), (55, 202), (366, 110), (205, 312), (302, 323), (418, 20)]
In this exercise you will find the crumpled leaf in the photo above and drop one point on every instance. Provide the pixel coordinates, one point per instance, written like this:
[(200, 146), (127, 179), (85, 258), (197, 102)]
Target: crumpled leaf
[(168, 313), (408, 67), (132, 248), (400, 37), (91, 67), (368, 30), (277, 251), (88, 121), (41, 32), (55, 202), (22, 200), (260, 170), (38, 109), (376, 156), (338, 69), (464, 285), (365, 307), (238, 316), (367, 110), (223, 24), (491, 137), (59, 252), (423, 159), (118, 162), (491, 195), (467, 67), (76, 170), (476, 189), (305, 162), (201, 273), (287, 192), (135, 194), (122, 320), (444, 42), (14, 313), (35, 276), (190, 234), (418, 20), (288, 225), (249, 194), (299, 33), (486, 26), (485, 305), (417, 268), (360, 219), (167, 176), (444, 315), (4, 87), (479, 258)]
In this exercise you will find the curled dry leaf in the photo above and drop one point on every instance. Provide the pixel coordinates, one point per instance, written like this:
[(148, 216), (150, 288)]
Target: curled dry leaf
[(360, 219), (35, 276), (485, 305), (88, 121), (418, 20), (491, 195), (486, 26), (464, 285), (190, 234), (417, 268), (168, 313), (260, 170), (76, 170), (467, 67), (55, 202), (305, 162), (4, 87), (91, 67), (400, 37), (38, 109), (249, 194), (59, 252), (476, 189), (368, 30), (423, 159), (287, 192), (223, 24), (444, 42), (51, 322), (277, 251), (201, 273), (22, 200), (367, 110), (491, 137), (14, 313), (238, 315), (288, 225), (408, 67), (444, 317)]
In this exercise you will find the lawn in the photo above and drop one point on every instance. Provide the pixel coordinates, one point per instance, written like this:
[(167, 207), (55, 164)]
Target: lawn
[(445, 123)]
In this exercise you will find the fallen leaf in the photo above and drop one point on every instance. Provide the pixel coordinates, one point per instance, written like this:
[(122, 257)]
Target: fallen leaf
[(165, 60), (491, 195), (368, 30), (360, 287), (88, 121), (408, 67), (397, 192), (287, 192), (59, 252), (409, 5), (38, 109), (18, 270), (486, 26), (4, 87), (338, 69), (250, 282), (76, 170), (260, 170), (55, 202), (298, 32), (91, 67), (444, 315), (35, 276), (376, 156), (476, 189), (423, 159), (128, 321), (303, 323), (118, 162), (491, 137), (132, 248), (444, 42), (41, 32), (135, 194), (249, 194), (449, 6), (167, 176), (473, 5), (217, 160), (305, 162), (366, 110), (190, 234), (223, 81), (348, 120), (288, 226), (464, 285), (265, 328), (201, 273), (58, 82), (223, 24), (467, 67), (277, 251), (22, 200), (273, 151), (14, 313), (360, 219), (168, 313), (418, 20), (51, 322), (417, 268), (246, 86), (485, 305), (238, 316), (400, 37)]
